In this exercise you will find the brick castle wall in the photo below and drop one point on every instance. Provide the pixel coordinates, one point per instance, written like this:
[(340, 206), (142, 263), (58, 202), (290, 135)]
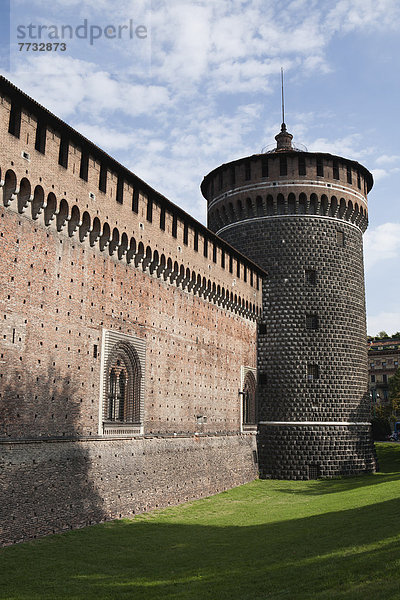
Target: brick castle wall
[(48, 487), (78, 261)]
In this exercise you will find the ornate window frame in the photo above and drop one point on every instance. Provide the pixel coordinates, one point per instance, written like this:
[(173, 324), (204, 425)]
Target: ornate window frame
[(125, 353), (244, 370)]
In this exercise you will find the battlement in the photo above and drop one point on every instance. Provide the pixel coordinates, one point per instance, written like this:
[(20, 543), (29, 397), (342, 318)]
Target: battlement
[(287, 182), (66, 182)]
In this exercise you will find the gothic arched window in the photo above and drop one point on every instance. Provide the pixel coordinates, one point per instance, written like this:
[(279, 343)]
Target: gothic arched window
[(122, 402), (249, 399)]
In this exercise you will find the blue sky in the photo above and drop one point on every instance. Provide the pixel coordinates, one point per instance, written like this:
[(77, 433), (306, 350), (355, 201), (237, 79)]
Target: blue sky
[(202, 88)]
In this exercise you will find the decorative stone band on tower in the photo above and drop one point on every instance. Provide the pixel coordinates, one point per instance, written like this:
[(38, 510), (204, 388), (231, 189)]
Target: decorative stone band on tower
[(301, 216)]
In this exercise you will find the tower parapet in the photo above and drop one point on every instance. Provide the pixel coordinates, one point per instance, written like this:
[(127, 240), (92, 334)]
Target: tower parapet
[(301, 216)]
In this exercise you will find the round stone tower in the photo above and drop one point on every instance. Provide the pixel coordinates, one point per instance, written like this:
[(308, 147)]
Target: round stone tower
[(301, 215)]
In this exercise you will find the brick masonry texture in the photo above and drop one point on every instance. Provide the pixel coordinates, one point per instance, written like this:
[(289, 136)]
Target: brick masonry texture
[(52, 486), (65, 279)]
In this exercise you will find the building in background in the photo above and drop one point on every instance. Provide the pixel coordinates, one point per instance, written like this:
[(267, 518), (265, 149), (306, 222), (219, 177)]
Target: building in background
[(383, 362)]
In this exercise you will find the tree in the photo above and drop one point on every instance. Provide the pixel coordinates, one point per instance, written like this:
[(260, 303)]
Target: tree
[(382, 334), (394, 388)]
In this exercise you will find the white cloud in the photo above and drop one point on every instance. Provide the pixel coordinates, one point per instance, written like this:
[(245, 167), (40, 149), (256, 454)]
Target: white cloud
[(80, 86), (385, 159), (381, 244), (106, 137), (349, 146)]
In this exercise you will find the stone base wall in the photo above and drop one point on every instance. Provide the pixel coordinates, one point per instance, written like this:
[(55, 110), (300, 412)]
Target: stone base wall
[(51, 486), (310, 452)]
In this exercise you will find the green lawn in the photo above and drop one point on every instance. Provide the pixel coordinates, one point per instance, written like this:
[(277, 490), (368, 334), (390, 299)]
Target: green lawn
[(336, 539)]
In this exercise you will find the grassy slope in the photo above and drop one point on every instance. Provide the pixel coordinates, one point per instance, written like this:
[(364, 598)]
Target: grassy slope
[(269, 539)]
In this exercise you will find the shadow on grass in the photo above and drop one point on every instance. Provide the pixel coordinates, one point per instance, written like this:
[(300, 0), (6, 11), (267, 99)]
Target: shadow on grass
[(345, 554)]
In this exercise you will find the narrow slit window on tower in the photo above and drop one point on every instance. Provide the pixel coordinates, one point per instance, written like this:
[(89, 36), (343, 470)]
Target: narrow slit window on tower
[(222, 258), (205, 247), (174, 226), (312, 372), (335, 167), (264, 167), (185, 234), (358, 180), (40, 140), (282, 165), (233, 175), (230, 263), (302, 164), (196, 241), (14, 125), (349, 177), (244, 273), (103, 178), (312, 322), (340, 238), (237, 269), (320, 166), (247, 170), (214, 253), (162, 218), (311, 276), (149, 210), (63, 152), (84, 168), (120, 189), (135, 201)]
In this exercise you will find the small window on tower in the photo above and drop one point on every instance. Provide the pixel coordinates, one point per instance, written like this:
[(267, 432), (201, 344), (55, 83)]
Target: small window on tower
[(103, 178), (40, 141), (340, 238), (349, 177), (162, 218), (14, 125), (174, 226), (63, 152), (233, 176), (247, 170), (311, 276), (264, 167), (335, 169), (320, 167), (312, 372), (302, 164), (120, 190), (282, 165), (312, 322), (262, 328)]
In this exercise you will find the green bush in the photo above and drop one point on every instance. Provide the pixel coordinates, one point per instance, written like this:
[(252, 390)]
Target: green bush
[(380, 429)]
